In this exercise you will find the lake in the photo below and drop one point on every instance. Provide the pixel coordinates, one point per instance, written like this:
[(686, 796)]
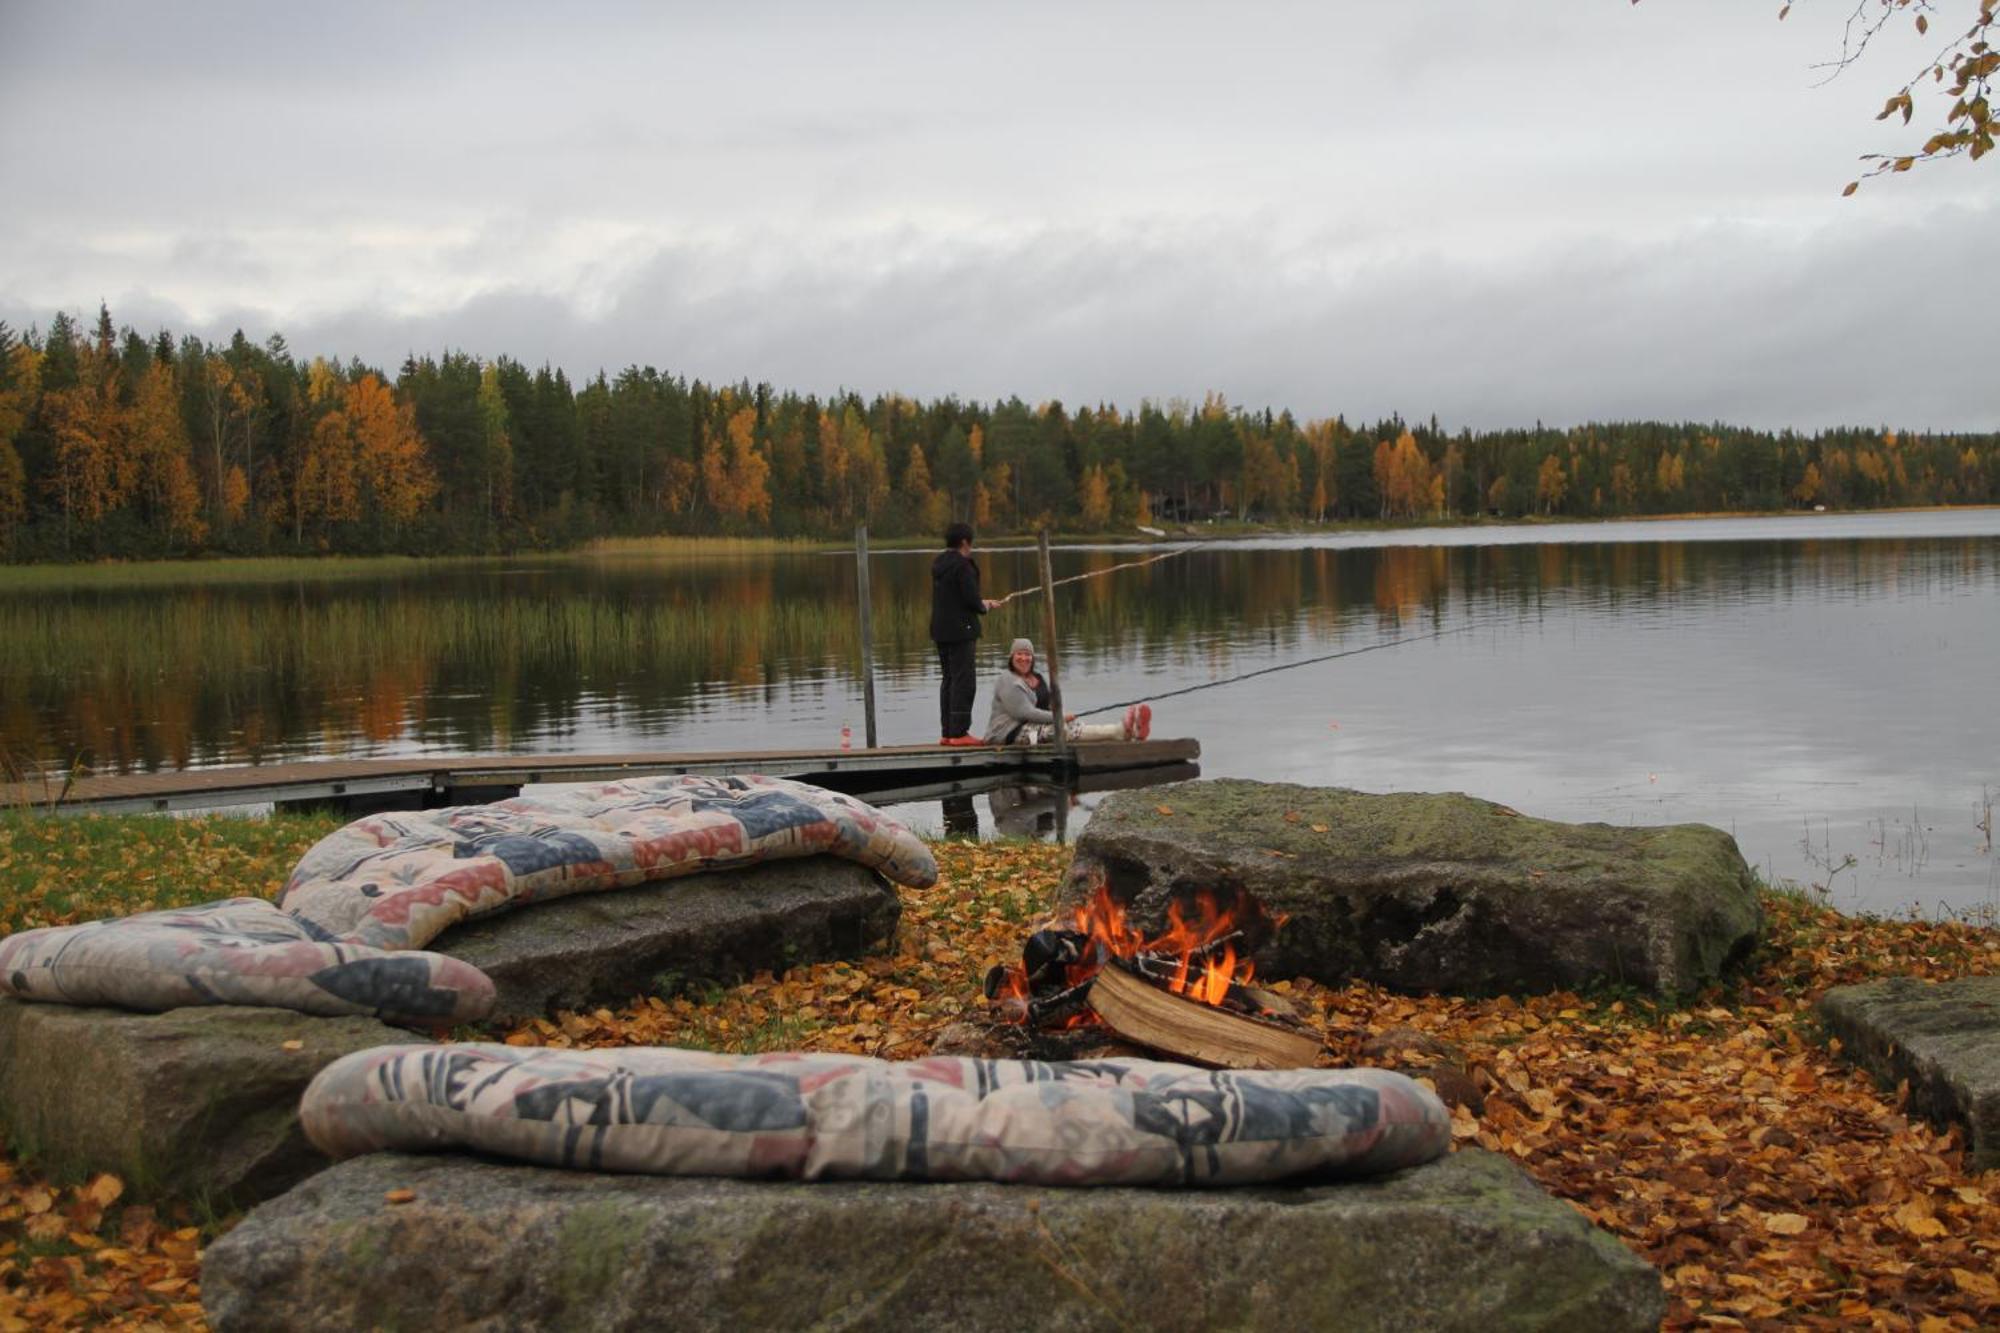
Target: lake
[(1820, 686)]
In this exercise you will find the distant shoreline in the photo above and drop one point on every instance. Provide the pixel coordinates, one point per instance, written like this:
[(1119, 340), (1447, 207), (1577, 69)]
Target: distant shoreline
[(279, 568)]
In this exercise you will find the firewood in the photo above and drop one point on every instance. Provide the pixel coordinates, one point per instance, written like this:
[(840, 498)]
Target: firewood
[(1190, 1030)]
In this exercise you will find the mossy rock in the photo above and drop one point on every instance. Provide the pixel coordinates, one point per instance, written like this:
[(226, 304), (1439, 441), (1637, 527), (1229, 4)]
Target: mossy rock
[(1431, 893)]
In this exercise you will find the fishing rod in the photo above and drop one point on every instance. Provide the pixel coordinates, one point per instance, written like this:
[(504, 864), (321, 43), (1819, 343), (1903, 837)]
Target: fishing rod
[(1227, 680), (1032, 589)]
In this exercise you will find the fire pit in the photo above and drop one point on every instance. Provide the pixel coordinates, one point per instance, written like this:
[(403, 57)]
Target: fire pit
[(1186, 992)]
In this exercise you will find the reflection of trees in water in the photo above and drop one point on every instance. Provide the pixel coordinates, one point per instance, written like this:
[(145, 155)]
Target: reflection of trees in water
[(487, 658)]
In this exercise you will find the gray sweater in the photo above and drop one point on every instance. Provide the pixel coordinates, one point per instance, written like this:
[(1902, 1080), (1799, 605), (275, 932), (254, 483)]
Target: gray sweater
[(1013, 706)]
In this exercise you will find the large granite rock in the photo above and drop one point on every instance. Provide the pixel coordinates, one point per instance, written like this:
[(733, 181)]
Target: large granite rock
[(1468, 1242), (1431, 893), (720, 926), (199, 1103), (1944, 1037)]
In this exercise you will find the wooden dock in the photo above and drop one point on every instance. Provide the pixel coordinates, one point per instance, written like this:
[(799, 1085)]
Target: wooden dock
[(360, 785)]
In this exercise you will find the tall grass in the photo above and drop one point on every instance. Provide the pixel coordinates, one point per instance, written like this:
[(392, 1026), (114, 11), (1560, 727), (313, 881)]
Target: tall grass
[(114, 574), (702, 546)]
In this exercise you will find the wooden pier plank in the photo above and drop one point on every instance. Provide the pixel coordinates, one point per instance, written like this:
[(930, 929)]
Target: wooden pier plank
[(338, 779)]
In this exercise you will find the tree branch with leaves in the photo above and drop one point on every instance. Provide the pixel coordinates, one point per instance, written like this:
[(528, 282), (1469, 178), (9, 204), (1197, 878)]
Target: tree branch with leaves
[(1967, 60)]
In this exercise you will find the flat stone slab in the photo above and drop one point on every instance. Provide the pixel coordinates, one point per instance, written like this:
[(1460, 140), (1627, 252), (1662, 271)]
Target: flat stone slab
[(1431, 893), (1944, 1037), (1468, 1242), (200, 1103), (718, 926)]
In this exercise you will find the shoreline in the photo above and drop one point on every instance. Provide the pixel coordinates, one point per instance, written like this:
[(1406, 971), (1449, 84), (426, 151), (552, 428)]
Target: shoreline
[(276, 568)]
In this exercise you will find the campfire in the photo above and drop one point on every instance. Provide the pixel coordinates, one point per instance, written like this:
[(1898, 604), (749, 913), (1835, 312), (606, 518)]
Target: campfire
[(1186, 992)]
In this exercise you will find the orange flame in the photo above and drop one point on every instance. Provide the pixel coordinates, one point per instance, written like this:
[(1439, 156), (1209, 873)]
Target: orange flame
[(1197, 945)]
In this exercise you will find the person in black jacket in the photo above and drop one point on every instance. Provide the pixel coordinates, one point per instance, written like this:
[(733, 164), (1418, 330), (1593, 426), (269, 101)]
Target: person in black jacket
[(956, 607)]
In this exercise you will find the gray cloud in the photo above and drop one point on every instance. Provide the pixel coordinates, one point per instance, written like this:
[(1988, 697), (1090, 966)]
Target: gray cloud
[(1563, 212)]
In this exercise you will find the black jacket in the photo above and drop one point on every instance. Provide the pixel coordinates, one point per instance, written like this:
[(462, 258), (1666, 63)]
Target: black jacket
[(956, 605)]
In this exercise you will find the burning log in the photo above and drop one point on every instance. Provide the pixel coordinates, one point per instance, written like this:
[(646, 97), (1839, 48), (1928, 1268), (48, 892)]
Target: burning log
[(1185, 993), (1191, 1030)]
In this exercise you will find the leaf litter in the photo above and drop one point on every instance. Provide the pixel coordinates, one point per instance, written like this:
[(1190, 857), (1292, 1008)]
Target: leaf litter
[(1770, 1185)]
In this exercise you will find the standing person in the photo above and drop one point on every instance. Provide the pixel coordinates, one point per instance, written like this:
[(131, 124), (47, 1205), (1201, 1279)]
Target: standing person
[(956, 606), (1021, 709)]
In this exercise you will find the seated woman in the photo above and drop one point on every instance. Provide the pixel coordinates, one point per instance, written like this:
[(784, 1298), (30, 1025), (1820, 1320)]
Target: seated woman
[(1021, 709)]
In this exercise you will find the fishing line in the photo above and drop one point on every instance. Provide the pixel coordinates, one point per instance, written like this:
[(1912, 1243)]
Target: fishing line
[(1282, 666), (1227, 680)]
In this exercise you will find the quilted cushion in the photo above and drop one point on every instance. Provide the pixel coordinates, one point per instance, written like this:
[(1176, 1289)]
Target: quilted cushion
[(675, 1112), (394, 881), (236, 951)]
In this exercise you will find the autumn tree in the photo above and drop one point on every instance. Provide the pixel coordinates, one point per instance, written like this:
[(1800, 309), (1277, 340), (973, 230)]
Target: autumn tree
[(866, 484), (216, 383), (1551, 484), (94, 470), (20, 374), (20, 379), (165, 472), (1093, 500), (1266, 484), (926, 508), (324, 486), (735, 474), (1405, 479), (497, 445), (395, 473)]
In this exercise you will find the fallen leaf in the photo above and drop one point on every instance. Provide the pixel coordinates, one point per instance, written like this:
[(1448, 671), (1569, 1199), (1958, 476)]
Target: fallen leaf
[(399, 1196), (1916, 1219), (1785, 1224), (104, 1189), (293, 1045)]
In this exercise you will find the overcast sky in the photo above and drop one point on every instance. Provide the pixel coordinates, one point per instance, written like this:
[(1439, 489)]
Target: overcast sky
[(1497, 213)]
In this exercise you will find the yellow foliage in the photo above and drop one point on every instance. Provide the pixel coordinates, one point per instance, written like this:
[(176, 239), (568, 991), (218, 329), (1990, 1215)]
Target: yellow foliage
[(1093, 499)]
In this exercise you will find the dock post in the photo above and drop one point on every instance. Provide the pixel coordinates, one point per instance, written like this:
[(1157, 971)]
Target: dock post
[(1049, 653), (867, 632)]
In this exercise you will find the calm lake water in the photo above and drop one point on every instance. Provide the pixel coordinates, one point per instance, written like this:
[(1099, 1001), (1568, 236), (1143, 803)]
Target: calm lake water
[(1822, 687)]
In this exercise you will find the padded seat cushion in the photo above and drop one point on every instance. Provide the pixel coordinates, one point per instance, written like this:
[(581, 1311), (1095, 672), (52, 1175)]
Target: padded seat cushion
[(395, 881), (236, 951), (674, 1112)]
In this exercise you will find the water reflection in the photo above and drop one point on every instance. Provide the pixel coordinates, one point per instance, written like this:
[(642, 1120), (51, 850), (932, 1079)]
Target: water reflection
[(1040, 812), (1832, 674)]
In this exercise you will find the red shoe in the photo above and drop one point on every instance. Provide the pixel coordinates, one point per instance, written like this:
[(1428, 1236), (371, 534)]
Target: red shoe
[(961, 740), (1143, 723)]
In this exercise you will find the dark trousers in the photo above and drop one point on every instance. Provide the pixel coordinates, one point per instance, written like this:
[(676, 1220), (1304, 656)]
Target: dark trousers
[(955, 694)]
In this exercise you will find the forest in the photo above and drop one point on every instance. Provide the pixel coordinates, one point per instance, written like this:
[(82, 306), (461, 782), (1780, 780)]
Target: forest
[(115, 444)]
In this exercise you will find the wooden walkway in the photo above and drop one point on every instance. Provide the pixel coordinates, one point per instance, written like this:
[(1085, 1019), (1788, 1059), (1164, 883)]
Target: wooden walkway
[(439, 780)]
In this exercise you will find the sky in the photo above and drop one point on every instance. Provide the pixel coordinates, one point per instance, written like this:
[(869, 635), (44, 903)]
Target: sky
[(1491, 213)]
